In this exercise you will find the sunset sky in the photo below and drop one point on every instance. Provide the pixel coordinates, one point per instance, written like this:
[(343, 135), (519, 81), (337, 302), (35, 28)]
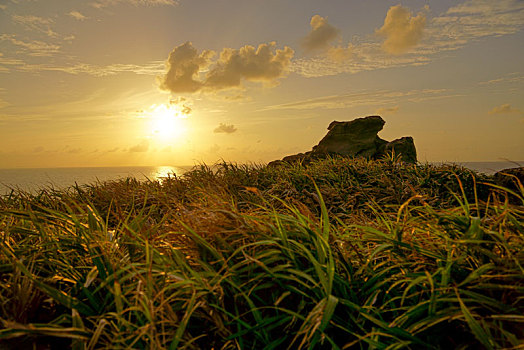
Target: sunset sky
[(166, 82)]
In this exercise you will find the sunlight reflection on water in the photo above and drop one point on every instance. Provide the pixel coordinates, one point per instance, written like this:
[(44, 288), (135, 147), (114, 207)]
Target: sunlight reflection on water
[(60, 178), (162, 172)]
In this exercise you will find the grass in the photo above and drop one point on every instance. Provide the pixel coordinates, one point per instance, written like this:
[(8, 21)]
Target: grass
[(338, 254)]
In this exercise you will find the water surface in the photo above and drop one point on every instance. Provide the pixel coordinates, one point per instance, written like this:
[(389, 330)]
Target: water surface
[(32, 180)]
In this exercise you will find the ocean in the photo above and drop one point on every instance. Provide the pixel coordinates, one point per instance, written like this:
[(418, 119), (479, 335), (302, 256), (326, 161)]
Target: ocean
[(490, 168), (31, 180)]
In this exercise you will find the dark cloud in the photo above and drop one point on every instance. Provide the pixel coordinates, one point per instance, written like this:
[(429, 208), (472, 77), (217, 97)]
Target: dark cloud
[(183, 105), (321, 35), (183, 66), (263, 64), (224, 128), (186, 67)]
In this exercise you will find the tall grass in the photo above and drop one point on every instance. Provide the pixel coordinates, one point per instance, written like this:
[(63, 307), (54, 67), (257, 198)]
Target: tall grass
[(336, 254)]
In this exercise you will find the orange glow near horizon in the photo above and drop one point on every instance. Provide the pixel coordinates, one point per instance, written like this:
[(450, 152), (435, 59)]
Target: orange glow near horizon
[(177, 83)]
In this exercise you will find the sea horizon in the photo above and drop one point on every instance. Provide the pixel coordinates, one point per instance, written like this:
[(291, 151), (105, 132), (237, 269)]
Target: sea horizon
[(34, 179), (516, 163)]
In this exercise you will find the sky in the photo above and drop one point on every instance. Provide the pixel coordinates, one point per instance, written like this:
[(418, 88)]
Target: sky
[(181, 82)]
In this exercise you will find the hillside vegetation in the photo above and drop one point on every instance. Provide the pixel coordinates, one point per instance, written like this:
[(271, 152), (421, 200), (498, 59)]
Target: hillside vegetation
[(342, 254)]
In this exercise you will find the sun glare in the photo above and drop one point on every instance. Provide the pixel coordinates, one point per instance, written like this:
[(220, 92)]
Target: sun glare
[(167, 123)]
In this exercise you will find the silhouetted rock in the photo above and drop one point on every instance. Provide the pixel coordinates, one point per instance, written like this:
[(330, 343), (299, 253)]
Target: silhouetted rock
[(357, 138), (295, 157), (404, 147)]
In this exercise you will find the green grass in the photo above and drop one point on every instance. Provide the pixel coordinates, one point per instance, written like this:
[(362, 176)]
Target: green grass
[(336, 254)]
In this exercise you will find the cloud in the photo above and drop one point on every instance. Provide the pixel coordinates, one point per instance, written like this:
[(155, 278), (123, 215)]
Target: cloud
[(152, 68), (3, 103), (451, 30), (366, 98), (473, 20), (364, 57), (184, 106), (224, 128), (185, 67), (507, 79), (32, 48), (263, 64), (321, 34), (388, 110), (143, 146), (401, 30), (106, 3), (505, 109), (77, 15), (340, 54), (35, 23), (480, 18)]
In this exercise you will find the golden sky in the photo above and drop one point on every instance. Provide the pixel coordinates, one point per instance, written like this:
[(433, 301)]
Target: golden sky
[(167, 82)]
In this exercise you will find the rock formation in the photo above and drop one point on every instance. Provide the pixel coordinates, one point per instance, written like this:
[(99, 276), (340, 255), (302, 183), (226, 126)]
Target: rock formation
[(357, 138)]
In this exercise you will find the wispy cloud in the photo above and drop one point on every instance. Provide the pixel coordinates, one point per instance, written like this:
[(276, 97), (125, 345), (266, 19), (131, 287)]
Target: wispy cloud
[(364, 57), (106, 3), (35, 48), (77, 15), (371, 98), (36, 24), (38, 40), (459, 25), (505, 109), (6, 63), (480, 18), (153, 68), (3, 103), (225, 129), (507, 79), (387, 110)]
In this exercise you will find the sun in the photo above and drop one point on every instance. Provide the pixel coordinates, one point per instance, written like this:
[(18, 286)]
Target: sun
[(168, 123)]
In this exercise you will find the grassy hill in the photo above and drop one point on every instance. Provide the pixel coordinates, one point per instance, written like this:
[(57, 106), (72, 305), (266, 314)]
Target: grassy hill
[(336, 254)]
